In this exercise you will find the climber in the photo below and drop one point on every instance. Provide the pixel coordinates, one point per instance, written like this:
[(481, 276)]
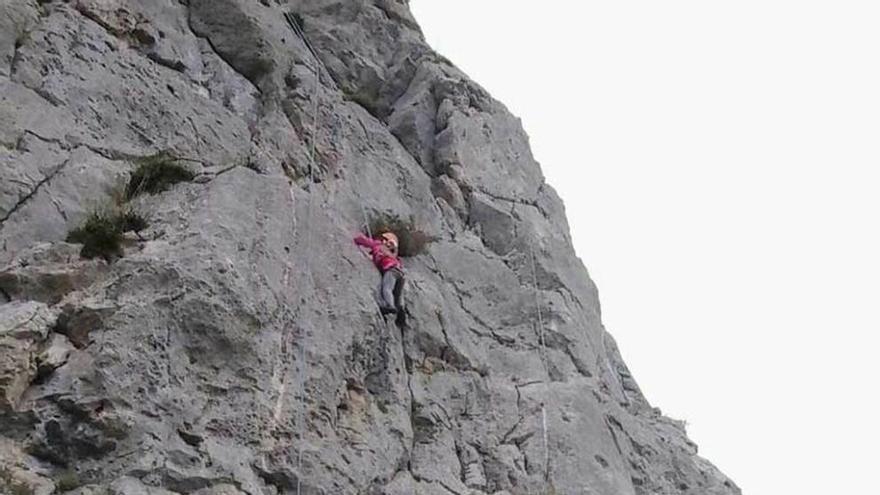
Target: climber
[(384, 253)]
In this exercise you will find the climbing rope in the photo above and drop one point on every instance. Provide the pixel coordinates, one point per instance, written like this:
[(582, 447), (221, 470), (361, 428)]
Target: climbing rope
[(310, 222), (366, 220), (308, 241), (294, 24), (546, 368)]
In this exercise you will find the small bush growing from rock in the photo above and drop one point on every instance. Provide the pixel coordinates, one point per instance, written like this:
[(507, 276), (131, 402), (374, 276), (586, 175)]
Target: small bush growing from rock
[(131, 221), (156, 173), (101, 233), (412, 240)]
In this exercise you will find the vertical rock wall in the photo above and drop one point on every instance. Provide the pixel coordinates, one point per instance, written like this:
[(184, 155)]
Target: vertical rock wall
[(235, 347)]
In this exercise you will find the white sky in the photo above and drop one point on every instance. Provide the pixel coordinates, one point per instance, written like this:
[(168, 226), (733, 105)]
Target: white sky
[(719, 162)]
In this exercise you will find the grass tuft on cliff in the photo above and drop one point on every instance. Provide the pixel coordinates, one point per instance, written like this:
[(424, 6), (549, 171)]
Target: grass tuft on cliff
[(101, 232), (412, 240), (156, 173)]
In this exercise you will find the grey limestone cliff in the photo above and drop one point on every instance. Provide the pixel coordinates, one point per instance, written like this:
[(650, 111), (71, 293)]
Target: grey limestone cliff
[(235, 347)]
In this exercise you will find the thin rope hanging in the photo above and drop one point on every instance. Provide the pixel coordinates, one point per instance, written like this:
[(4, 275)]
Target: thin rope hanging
[(309, 236), (308, 244), (546, 368), (294, 24)]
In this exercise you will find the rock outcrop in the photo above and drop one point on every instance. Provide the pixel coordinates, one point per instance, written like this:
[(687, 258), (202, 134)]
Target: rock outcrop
[(235, 347)]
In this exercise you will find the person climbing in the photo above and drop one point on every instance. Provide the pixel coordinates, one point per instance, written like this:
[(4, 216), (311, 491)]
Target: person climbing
[(384, 253)]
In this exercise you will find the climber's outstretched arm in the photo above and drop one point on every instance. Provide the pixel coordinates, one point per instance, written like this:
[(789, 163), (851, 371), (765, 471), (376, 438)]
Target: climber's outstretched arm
[(362, 240)]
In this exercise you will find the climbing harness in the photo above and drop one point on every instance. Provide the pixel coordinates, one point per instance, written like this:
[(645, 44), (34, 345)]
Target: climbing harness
[(546, 368)]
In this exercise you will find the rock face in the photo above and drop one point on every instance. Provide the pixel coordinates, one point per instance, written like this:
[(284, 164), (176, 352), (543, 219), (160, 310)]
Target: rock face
[(235, 348)]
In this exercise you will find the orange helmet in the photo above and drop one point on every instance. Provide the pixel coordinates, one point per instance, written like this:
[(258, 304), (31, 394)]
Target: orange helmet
[(388, 236)]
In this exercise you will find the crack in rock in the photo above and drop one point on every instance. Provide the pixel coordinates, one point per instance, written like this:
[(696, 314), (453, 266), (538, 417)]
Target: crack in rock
[(21, 202)]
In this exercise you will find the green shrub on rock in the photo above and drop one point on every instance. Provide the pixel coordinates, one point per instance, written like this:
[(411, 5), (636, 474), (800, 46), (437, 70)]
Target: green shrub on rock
[(101, 233), (412, 240), (131, 221), (100, 236), (156, 173)]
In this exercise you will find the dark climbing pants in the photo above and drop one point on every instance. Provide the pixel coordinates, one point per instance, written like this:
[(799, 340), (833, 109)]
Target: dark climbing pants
[(391, 289)]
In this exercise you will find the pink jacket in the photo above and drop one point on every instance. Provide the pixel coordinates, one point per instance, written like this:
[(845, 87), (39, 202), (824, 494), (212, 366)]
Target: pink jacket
[(382, 257)]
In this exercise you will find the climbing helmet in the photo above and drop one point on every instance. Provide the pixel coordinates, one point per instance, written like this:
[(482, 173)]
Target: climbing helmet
[(390, 237)]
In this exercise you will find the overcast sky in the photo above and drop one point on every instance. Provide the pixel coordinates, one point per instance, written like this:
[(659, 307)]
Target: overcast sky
[(720, 166)]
